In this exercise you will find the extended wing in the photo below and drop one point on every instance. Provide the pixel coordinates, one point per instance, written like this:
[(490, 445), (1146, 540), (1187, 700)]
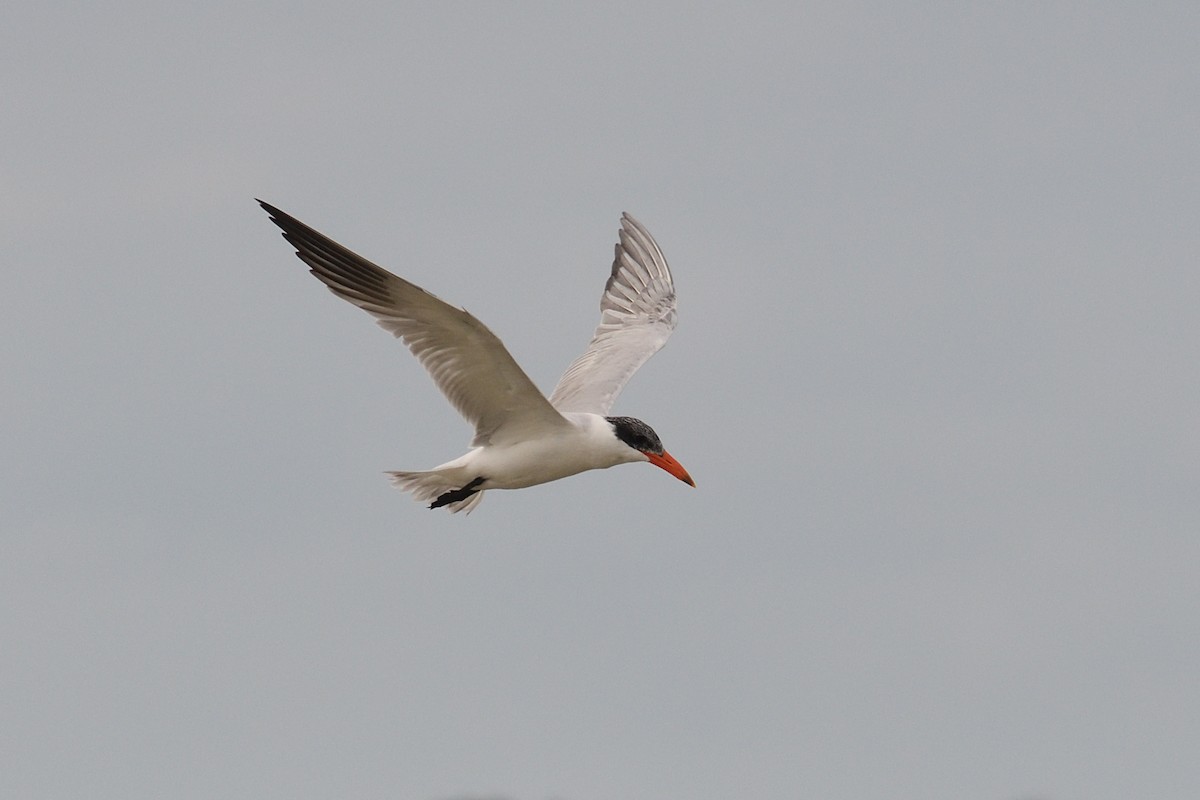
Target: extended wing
[(637, 315), (467, 361)]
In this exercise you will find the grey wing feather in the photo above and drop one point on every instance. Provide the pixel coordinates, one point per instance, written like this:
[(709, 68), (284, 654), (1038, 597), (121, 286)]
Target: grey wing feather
[(637, 315), (467, 361)]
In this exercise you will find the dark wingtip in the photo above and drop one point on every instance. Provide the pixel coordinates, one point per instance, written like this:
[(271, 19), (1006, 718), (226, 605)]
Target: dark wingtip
[(275, 213)]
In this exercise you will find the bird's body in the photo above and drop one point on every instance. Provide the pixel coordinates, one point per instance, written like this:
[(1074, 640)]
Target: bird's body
[(587, 444), (521, 437)]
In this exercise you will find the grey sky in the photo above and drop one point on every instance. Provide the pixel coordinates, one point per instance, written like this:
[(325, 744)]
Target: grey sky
[(936, 376)]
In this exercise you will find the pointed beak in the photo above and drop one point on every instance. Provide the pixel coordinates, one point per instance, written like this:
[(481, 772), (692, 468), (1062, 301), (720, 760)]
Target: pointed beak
[(665, 461)]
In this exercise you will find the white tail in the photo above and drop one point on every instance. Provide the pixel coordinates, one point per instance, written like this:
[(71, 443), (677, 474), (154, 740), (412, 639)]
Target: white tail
[(427, 487)]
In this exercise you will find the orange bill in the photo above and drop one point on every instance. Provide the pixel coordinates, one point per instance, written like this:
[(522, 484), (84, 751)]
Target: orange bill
[(665, 461)]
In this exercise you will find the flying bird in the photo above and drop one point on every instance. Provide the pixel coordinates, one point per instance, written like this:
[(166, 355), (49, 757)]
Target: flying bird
[(521, 437)]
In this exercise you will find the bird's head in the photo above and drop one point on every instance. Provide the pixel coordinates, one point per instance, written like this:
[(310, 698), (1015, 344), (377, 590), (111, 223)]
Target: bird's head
[(641, 437)]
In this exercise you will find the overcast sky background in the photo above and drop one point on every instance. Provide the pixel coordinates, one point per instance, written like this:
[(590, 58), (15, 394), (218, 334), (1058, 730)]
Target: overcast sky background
[(937, 377)]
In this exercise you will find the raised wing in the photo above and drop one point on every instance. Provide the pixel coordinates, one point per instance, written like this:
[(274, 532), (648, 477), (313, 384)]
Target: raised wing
[(467, 361), (637, 315)]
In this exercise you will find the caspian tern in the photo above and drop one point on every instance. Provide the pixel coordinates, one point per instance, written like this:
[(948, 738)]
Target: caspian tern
[(521, 437)]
